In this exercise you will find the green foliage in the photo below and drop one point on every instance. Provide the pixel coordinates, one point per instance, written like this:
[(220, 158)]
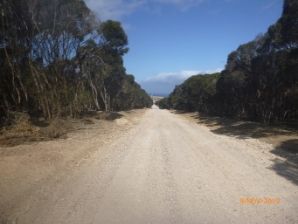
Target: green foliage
[(163, 103), (57, 59), (195, 94), (259, 81), (289, 24), (131, 96), (114, 37)]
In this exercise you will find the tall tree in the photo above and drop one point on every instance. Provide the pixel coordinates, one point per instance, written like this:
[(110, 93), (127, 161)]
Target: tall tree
[(113, 42)]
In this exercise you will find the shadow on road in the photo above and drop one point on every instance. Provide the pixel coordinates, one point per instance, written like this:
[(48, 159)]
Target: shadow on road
[(227, 126), (289, 146), (285, 169), (101, 115), (179, 112), (283, 136), (288, 168)]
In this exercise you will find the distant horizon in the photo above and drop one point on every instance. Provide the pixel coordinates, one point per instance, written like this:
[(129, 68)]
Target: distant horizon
[(158, 94)]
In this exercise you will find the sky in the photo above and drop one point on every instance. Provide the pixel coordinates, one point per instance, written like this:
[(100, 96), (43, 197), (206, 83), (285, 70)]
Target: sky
[(171, 40)]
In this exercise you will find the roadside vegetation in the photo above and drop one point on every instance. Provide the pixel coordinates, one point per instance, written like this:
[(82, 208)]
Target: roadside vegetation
[(57, 60), (259, 82)]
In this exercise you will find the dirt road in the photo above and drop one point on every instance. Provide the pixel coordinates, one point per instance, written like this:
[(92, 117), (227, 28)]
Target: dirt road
[(169, 170)]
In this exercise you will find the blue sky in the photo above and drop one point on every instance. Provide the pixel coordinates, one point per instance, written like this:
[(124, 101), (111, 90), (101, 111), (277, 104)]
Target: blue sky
[(170, 40)]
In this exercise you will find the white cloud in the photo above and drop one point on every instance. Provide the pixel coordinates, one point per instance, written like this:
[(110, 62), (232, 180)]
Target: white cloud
[(164, 83), (114, 9), (172, 77), (211, 71)]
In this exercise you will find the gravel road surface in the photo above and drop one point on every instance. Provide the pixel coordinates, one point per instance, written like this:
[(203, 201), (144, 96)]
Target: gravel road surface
[(168, 170)]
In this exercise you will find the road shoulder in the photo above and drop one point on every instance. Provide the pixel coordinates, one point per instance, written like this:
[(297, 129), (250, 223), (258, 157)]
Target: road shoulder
[(29, 167)]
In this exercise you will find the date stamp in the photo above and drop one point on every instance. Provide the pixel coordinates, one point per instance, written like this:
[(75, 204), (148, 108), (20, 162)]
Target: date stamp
[(259, 201)]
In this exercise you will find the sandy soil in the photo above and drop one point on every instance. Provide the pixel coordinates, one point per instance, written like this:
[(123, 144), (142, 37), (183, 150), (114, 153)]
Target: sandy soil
[(35, 166), (152, 167)]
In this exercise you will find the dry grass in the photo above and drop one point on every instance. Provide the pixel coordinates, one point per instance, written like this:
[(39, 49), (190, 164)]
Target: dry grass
[(19, 128)]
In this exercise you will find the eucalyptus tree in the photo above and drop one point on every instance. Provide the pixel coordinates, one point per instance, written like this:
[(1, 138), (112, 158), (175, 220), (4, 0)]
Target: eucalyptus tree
[(289, 25), (62, 26), (113, 41), (131, 96), (38, 41), (57, 59), (260, 79), (16, 33)]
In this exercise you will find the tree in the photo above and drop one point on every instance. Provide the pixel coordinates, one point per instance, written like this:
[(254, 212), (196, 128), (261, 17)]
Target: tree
[(289, 24), (260, 79), (57, 59), (113, 42)]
